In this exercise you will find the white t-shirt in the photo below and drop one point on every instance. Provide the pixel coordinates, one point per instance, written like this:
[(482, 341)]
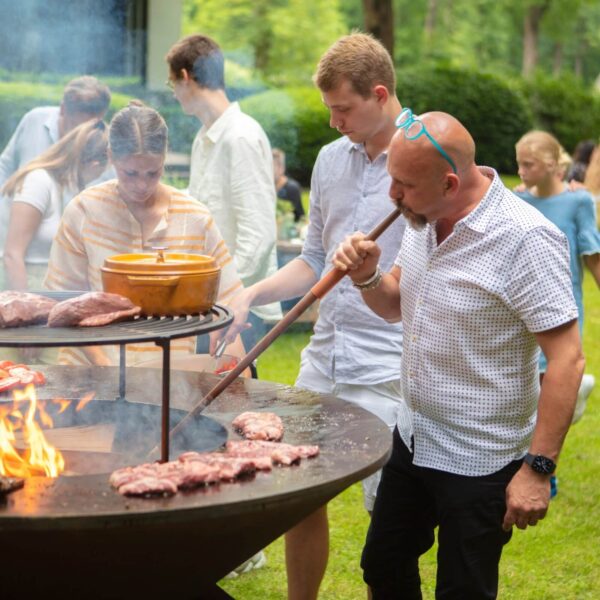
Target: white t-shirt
[(42, 192)]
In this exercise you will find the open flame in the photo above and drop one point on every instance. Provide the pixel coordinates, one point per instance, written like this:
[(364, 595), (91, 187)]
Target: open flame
[(39, 458)]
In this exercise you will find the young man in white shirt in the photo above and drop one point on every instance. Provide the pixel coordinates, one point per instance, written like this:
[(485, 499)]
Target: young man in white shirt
[(353, 354), (231, 167)]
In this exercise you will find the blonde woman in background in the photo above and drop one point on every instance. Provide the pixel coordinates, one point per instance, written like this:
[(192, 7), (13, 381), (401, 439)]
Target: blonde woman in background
[(572, 211), (39, 193)]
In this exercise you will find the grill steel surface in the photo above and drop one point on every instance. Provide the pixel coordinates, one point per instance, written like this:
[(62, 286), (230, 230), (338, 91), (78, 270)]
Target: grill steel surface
[(193, 538)]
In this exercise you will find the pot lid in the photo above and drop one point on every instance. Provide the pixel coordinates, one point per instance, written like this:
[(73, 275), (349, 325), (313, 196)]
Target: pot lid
[(161, 262)]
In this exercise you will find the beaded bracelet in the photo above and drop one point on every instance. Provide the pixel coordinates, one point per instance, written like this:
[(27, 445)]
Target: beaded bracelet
[(372, 282)]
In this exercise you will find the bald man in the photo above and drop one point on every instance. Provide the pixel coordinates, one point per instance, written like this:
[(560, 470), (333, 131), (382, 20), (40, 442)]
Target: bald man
[(481, 280)]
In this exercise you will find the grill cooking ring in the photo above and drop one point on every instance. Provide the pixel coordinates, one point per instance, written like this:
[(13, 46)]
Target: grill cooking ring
[(141, 329), (160, 330)]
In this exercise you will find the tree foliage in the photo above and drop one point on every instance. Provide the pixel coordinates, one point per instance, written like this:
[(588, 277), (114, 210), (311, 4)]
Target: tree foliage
[(281, 39)]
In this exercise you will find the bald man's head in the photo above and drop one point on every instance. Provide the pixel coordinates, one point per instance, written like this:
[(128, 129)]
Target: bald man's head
[(424, 182), (449, 133)]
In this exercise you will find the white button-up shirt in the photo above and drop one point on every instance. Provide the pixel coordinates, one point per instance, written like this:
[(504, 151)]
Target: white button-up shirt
[(470, 308), (349, 193), (232, 174)]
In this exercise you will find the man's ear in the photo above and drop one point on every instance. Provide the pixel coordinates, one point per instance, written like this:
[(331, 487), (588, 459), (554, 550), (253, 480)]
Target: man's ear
[(185, 75), (381, 93), (452, 182)]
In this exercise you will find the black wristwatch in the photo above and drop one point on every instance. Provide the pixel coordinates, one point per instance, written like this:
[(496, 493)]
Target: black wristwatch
[(540, 464)]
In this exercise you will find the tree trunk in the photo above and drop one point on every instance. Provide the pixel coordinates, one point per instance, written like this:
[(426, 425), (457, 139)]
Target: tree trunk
[(379, 20), (557, 59), (430, 24), (531, 30)]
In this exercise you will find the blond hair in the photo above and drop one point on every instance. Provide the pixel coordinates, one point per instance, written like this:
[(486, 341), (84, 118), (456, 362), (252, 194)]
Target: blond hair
[(544, 147), (66, 159), (137, 129), (592, 174), (360, 59)]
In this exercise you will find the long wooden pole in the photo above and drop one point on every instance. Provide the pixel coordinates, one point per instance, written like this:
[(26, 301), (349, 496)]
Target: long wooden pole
[(317, 291)]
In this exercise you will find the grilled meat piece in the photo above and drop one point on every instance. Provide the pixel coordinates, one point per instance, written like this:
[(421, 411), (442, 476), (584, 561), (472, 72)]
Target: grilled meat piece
[(259, 426), (10, 484), (91, 310), (149, 486), (284, 454), (22, 308)]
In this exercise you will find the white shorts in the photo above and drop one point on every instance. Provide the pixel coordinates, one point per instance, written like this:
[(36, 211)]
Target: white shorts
[(384, 400)]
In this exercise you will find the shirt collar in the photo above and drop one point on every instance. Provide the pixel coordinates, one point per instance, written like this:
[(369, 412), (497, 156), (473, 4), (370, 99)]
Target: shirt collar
[(359, 147), (479, 218), (216, 130)]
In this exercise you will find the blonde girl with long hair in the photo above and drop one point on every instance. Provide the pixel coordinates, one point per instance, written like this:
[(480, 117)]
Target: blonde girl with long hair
[(39, 192), (571, 210)]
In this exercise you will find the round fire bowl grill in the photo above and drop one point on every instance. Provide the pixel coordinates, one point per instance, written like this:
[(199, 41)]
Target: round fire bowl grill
[(160, 330), (75, 536)]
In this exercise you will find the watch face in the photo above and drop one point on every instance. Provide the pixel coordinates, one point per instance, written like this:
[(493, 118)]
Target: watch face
[(541, 464)]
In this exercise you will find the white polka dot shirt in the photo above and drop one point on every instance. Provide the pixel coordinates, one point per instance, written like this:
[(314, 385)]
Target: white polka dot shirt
[(470, 307)]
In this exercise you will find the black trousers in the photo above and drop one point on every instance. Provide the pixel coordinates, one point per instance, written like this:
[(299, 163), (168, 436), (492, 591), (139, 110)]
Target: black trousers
[(411, 502)]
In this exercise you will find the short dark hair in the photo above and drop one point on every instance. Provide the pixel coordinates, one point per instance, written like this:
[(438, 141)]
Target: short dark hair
[(200, 56), (86, 95), (583, 151)]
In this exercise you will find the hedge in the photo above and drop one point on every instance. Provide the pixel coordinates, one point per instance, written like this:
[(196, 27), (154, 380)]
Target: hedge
[(295, 120), (494, 111), (565, 108), (17, 98)]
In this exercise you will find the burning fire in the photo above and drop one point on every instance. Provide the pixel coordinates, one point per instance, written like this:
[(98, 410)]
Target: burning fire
[(39, 458)]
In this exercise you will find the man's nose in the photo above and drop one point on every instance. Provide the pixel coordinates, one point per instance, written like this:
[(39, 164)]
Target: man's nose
[(334, 122)]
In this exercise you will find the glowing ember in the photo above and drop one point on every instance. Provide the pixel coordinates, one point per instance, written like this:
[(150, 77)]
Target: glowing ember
[(39, 458)]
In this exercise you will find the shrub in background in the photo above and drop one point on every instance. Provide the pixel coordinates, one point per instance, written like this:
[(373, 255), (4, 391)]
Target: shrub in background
[(296, 121), (493, 110), (564, 107), (17, 98)]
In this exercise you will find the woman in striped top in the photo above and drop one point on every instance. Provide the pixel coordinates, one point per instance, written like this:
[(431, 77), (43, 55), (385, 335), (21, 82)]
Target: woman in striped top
[(133, 213)]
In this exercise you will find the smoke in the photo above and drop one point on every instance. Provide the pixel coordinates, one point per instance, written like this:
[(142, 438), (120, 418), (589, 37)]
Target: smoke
[(72, 36)]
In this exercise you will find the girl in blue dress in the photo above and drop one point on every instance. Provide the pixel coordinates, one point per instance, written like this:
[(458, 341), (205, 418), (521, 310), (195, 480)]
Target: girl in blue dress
[(573, 212)]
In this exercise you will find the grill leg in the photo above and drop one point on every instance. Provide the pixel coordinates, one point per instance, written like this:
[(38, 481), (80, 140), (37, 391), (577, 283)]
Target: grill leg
[(122, 376), (166, 385)]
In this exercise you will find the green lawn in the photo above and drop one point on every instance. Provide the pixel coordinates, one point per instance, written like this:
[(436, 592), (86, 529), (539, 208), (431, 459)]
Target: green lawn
[(557, 560)]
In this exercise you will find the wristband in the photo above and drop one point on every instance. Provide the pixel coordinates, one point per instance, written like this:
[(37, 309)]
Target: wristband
[(371, 283)]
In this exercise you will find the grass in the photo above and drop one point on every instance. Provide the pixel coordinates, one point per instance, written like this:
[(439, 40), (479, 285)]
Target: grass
[(557, 560)]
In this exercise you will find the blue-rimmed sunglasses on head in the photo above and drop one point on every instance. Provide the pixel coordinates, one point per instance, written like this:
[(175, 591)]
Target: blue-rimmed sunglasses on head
[(414, 128)]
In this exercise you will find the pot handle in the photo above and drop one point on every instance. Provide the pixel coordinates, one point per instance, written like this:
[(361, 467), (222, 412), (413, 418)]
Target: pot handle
[(165, 281)]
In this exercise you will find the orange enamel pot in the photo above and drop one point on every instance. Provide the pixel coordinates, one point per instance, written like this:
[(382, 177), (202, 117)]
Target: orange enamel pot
[(164, 284)]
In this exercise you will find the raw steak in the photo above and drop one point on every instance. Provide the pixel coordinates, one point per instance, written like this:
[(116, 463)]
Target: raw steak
[(231, 466), (92, 309), (22, 308), (147, 486), (259, 426), (279, 453)]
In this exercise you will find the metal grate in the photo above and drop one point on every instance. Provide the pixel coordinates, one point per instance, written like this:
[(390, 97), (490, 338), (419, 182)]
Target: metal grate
[(141, 329)]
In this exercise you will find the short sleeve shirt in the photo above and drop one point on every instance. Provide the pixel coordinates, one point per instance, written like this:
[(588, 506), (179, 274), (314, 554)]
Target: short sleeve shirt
[(97, 224), (470, 307), (42, 192)]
